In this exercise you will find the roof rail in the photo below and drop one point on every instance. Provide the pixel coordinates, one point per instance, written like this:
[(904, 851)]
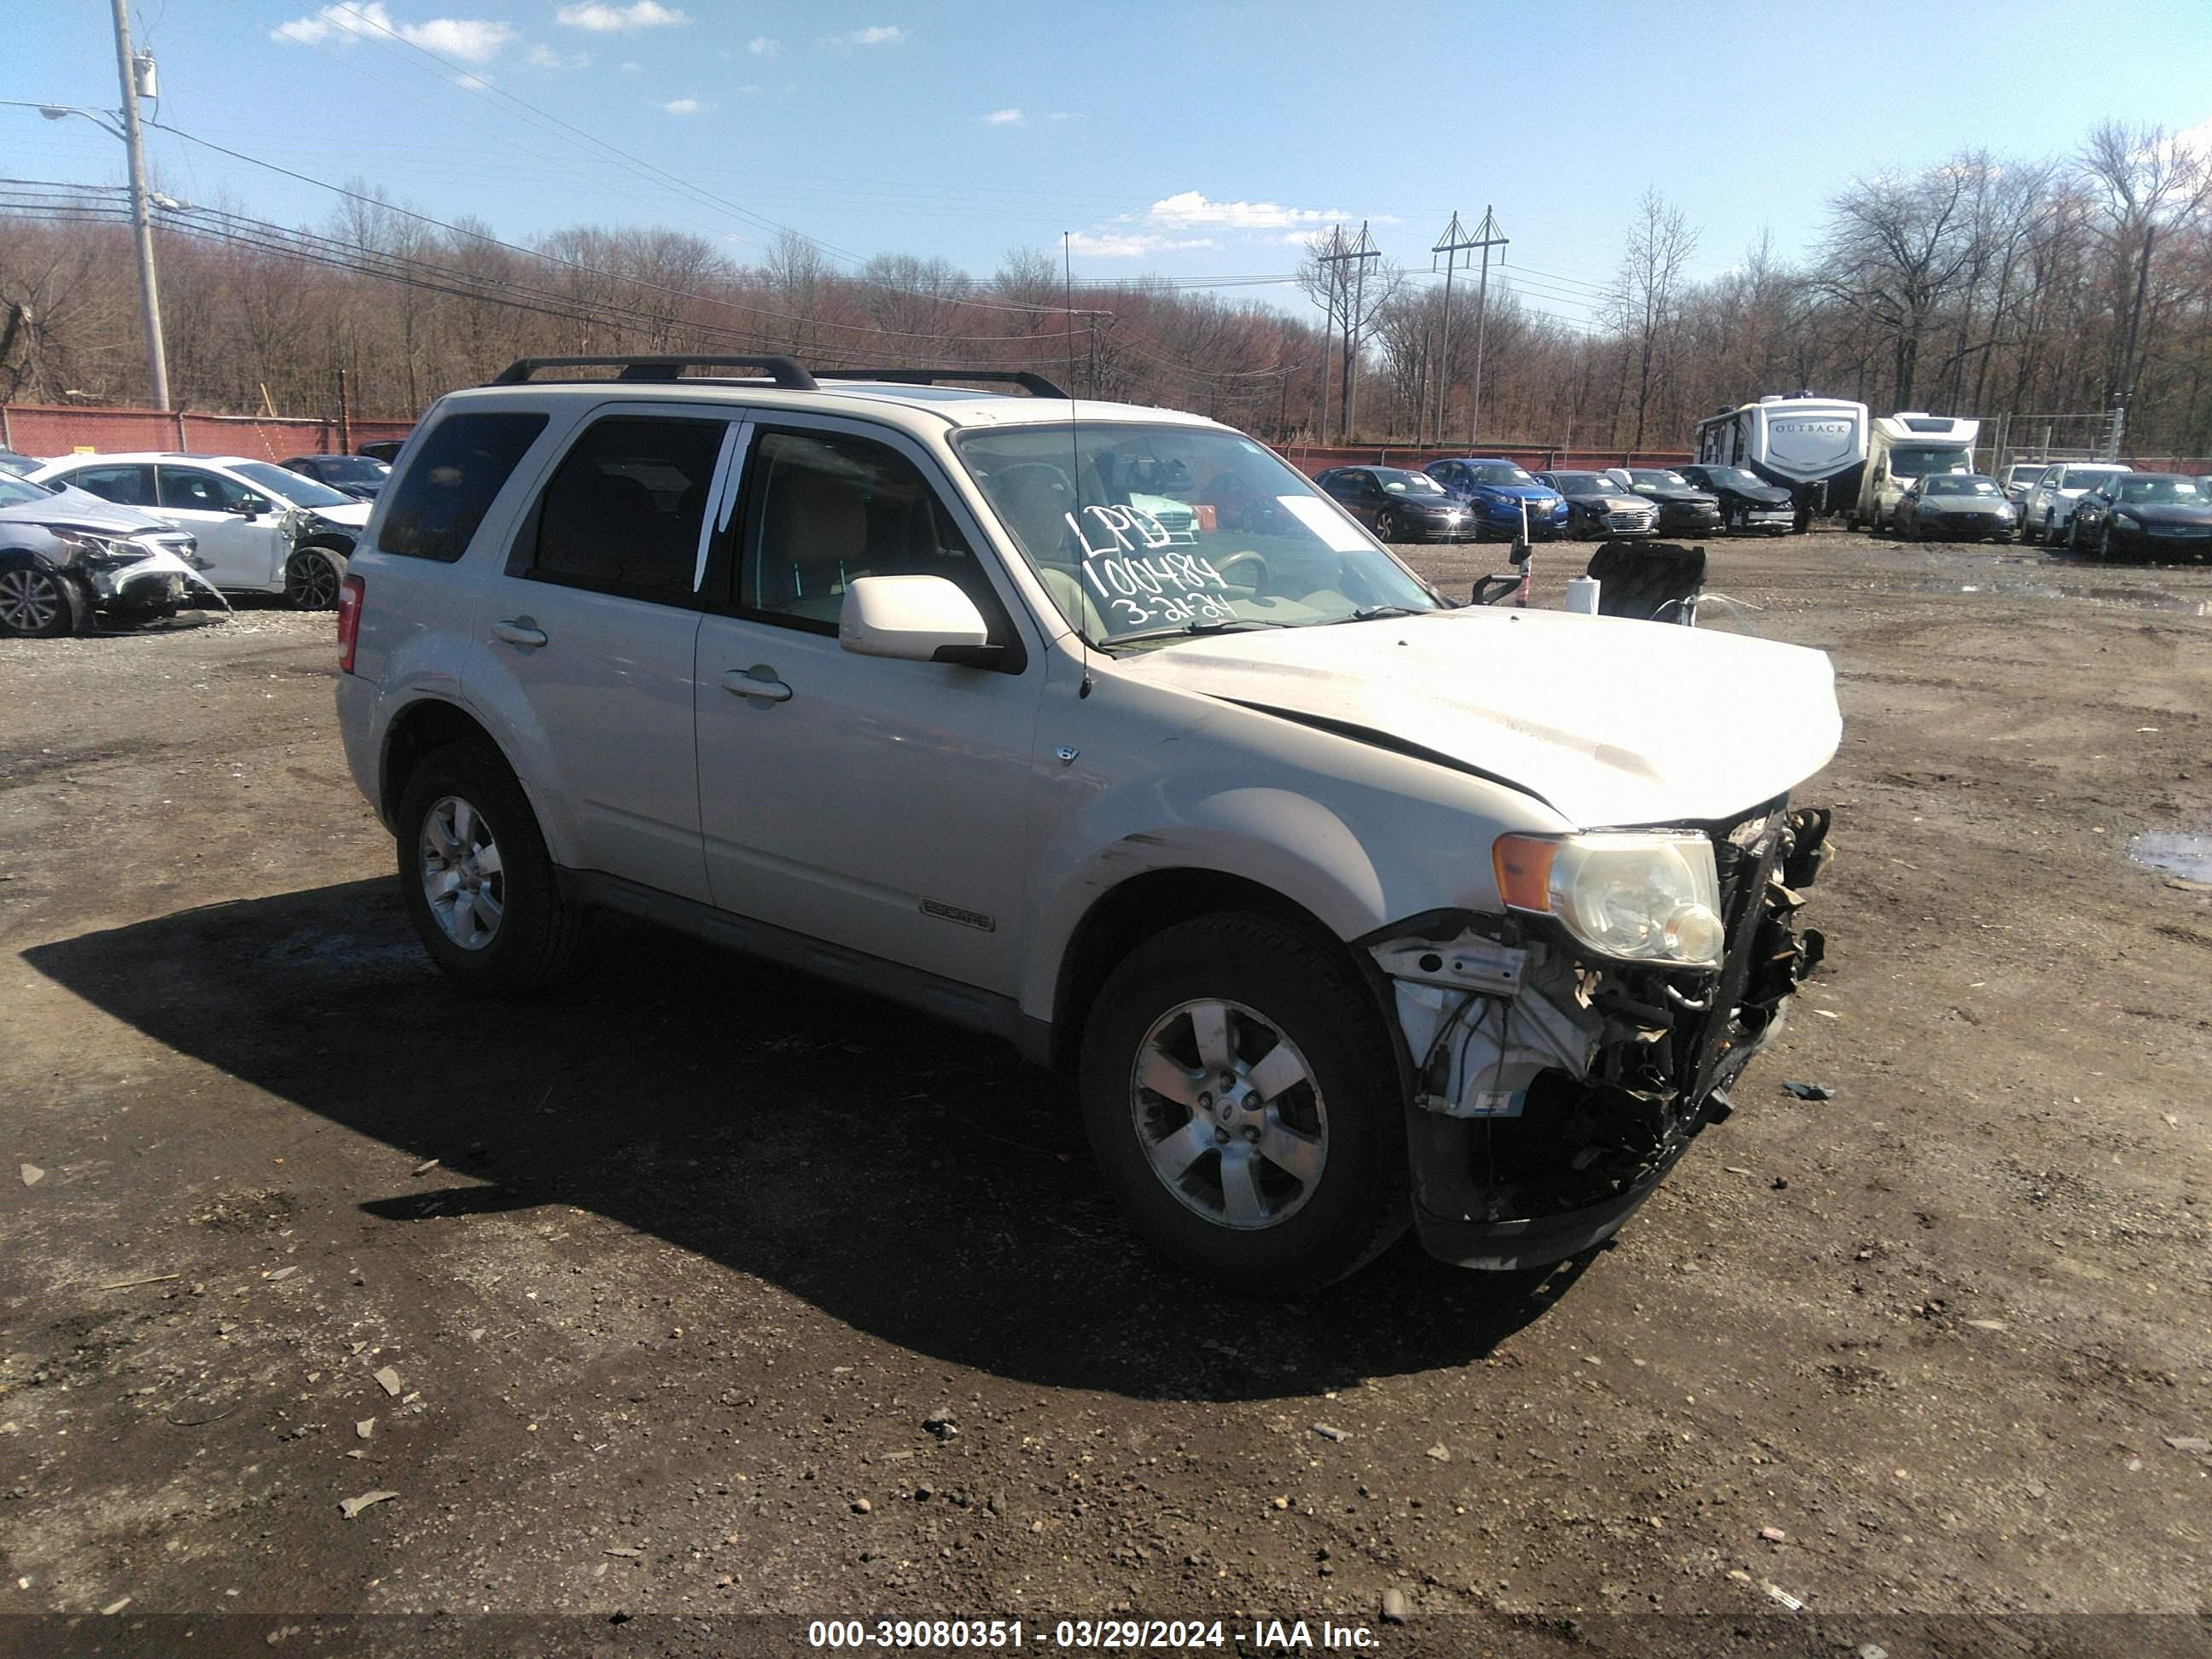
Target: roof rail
[(1036, 385), (784, 371)]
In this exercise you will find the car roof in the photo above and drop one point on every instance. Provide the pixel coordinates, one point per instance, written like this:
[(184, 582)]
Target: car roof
[(919, 407), (119, 456)]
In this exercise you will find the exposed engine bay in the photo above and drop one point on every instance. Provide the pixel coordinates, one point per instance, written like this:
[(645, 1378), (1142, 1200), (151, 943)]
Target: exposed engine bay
[(1552, 1089)]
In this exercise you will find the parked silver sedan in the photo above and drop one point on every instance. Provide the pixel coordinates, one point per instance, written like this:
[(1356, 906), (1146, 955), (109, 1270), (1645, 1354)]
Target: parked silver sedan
[(1955, 506)]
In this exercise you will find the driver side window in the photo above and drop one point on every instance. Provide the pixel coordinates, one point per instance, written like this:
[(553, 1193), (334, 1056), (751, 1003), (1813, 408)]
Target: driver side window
[(189, 489)]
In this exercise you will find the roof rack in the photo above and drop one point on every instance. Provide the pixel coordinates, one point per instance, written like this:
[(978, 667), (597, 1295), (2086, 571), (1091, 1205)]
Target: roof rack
[(1036, 385), (784, 371)]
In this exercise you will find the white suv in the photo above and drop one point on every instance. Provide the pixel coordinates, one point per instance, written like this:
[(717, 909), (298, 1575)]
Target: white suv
[(1346, 905)]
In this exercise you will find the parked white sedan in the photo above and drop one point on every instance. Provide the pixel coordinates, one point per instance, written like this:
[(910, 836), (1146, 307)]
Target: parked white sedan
[(260, 528), (2047, 509)]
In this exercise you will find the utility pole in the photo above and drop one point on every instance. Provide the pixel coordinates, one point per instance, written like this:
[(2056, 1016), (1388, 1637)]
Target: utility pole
[(1354, 290), (1332, 261), (1453, 243), (129, 70), (1486, 238)]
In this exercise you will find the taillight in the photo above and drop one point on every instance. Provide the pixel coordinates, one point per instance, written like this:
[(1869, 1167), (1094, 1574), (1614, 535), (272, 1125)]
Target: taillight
[(350, 594)]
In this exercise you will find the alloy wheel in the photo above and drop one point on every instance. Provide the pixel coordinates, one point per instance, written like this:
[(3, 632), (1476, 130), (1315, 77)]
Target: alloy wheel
[(463, 879), (30, 601), (1228, 1115), (310, 581)]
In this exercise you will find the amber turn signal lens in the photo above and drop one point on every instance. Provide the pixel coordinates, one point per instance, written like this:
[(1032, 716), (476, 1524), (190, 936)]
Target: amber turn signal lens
[(1523, 864)]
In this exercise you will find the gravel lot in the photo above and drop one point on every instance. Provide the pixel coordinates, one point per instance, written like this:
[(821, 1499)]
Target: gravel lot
[(697, 1290)]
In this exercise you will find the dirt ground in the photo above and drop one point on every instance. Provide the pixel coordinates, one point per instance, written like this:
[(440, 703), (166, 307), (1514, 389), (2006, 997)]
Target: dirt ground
[(698, 1291)]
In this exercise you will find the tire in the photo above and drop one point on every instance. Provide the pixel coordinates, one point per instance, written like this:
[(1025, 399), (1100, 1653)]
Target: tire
[(2074, 535), (1386, 527), (1340, 1197), (2104, 541), (38, 603), (312, 579), (461, 801)]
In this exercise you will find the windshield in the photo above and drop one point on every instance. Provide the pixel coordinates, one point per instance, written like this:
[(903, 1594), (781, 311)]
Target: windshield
[(1961, 484), (1918, 462), (2187, 492), (2086, 477), (351, 468), (292, 487), (1649, 479), (1734, 477), (1179, 529), (1584, 484), (1406, 484), (1500, 472), (16, 492), (13, 465)]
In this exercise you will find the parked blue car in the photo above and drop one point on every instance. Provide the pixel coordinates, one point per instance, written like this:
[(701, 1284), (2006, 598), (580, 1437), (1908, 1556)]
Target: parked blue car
[(1494, 490)]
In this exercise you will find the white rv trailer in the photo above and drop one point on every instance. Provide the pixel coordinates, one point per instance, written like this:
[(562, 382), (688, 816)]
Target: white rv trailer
[(1814, 447), (1904, 447)]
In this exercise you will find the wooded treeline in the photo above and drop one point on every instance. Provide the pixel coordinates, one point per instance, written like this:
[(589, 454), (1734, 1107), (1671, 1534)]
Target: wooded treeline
[(1983, 286)]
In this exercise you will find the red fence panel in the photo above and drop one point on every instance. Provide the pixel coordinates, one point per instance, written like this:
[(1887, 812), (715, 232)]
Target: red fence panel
[(49, 430)]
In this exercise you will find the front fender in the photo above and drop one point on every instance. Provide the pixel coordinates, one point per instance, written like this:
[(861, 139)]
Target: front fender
[(1355, 835)]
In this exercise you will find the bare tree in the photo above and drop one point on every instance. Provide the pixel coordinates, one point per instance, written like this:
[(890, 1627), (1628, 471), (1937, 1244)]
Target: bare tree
[(1646, 294)]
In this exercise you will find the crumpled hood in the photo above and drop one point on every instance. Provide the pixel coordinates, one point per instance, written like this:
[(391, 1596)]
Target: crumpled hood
[(80, 509), (351, 514), (1611, 721)]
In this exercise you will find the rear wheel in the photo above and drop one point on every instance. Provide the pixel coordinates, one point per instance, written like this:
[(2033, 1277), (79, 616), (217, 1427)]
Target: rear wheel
[(38, 604), (1387, 527), (1241, 1096), (478, 883)]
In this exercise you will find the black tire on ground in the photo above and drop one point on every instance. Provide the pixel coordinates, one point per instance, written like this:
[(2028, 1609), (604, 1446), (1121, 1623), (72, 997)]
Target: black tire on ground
[(39, 604), (2073, 534), (313, 577), (1386, 527), (535, 940), (1300, 983)]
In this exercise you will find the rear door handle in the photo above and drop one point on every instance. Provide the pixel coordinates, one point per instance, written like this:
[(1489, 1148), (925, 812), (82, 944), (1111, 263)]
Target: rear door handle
[(517, 630), (745, 683)]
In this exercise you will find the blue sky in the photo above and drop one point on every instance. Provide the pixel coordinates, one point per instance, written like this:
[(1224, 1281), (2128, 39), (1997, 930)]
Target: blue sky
[(1194, 141)]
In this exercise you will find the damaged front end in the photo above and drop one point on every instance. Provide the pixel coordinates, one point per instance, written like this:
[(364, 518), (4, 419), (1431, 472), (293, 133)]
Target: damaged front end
[(135, 574), (1553, 1087)]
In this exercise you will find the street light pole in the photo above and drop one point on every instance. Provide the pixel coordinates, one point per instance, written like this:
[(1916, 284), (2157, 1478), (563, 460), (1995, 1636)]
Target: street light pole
[(142, 223)]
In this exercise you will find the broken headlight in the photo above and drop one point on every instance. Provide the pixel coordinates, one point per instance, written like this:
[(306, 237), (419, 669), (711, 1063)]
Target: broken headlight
[(1649, 897), (99, 552)]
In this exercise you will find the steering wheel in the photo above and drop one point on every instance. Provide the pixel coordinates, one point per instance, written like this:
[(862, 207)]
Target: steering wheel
[(1237, 561)]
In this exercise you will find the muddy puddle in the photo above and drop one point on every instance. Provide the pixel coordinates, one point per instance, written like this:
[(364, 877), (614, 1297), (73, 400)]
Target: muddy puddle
[(2174, 853)]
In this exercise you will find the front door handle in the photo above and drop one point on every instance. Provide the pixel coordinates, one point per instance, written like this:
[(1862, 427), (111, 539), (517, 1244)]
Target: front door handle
[(749, 682), (517, 630)]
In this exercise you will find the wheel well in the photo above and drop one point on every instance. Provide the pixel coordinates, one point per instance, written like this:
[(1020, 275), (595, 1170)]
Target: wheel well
[(416, 731), (342, 549), (1140, 907)]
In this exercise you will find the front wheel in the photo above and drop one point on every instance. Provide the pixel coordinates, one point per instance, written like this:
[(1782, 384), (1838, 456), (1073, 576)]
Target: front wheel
[(1386, 527), (312, 579), (38, 604), (1242, 1098), (474, 873)]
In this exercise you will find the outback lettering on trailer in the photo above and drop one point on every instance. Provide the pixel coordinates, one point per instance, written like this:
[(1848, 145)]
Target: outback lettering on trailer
[(1834, 428)]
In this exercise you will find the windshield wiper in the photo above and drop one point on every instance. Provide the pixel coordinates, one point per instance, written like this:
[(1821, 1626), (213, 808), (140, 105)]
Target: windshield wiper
[(1184, 630), (1373, 613)]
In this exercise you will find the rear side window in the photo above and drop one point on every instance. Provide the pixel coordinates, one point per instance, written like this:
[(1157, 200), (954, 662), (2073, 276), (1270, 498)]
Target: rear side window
[(127, 486), (449, 487), (623, 511)]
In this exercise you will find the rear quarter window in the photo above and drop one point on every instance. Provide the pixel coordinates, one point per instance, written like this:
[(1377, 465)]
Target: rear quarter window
[(450, 483)]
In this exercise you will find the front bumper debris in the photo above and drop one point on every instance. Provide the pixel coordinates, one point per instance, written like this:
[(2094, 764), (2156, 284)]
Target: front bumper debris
[(1551, 1091)]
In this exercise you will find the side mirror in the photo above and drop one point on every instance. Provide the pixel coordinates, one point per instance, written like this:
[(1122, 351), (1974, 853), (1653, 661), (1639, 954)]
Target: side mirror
[(915, 619), (249, 506)]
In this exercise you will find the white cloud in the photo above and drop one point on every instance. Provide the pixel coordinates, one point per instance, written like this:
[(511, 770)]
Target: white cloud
[(1003, 118), (630, 66), (883, 34), (603, 19), (471, 40), (1117, 244), (764, 45), (682, 107), (1191, 207), (543, 57), (1063, 115)]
